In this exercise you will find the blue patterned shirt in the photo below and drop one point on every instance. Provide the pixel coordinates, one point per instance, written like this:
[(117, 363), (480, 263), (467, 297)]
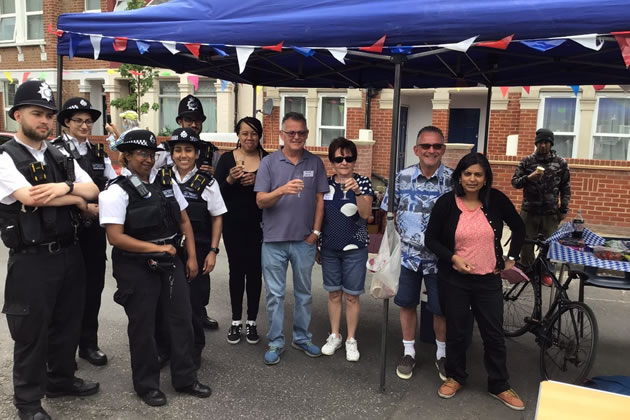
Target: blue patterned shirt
[(414, 198)]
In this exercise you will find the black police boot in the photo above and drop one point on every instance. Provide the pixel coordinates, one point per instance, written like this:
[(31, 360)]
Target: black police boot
[(33, 414), (210, 323), (93, 355)]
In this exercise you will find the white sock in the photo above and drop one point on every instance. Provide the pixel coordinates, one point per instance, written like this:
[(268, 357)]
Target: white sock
[(409, 348), (251, 322), (441, 349), (236, 323)]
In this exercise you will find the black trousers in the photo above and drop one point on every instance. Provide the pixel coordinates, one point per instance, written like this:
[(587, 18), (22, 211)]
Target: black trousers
[(93, 247), (243, 253), (484, 295), (199, 289), (139, 292), (43, 296)]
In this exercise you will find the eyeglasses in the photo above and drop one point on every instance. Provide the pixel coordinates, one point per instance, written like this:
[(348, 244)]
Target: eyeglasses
[(145, 154), (296, 133), (339, 159), (80, 122), (427, 146), (191, 120)]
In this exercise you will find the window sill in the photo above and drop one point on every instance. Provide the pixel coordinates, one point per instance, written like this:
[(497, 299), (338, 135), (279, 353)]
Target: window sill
[(22, 44)]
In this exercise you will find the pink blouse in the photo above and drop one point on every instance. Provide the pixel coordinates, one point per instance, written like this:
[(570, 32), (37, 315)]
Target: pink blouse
[(474, 239)]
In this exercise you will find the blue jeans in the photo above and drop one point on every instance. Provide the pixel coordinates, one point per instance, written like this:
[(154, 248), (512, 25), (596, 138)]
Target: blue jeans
[(275, 258)]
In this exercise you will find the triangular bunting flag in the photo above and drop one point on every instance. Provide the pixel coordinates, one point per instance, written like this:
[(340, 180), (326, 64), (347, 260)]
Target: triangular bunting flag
[(377, 47), (243, 53), (504, 90), (588, 41), (143, 47), (75, 39), (171, 46), (626, 88), (598, 87), (120, 44), (575, 89), (220, 52), (195, 81), (623, 39), (526, 89), (339, 54), (193, 48), (543, 45), (42, 76), (111, 71), (25, 76), (8, 76), (96, 45), (224, 84), (277, 47), (501, 44), (306, 52), (258, 89), (461, 46), (135, 73), (58, 32)]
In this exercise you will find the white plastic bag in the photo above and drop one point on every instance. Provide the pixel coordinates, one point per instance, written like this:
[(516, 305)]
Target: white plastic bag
[(386, 265)]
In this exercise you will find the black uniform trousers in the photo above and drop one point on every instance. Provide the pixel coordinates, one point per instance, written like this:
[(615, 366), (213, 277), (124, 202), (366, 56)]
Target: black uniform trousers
[(199, 289), (93, 247), (139, 292), (483, 294), (243, 251), (43, 295)]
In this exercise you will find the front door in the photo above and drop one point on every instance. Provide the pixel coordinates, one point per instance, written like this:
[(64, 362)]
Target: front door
[(463, 126)]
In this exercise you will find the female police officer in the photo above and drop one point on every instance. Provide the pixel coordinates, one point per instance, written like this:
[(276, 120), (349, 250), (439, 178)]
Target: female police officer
[(143, 216)]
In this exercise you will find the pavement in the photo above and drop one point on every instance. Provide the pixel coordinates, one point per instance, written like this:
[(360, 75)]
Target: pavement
[(327, 387)]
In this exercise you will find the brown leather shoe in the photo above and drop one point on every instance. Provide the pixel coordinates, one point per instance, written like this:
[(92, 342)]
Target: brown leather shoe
[(511, 399), (449, 388)]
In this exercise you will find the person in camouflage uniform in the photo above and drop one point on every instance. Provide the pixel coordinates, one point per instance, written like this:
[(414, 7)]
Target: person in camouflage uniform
[(544, 177)]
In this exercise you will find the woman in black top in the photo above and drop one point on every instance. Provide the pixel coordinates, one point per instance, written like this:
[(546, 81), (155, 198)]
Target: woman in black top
[(464, 232), (242, 232)]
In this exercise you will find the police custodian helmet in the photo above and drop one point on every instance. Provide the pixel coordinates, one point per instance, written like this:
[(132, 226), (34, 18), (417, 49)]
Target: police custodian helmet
[(137, 139), (73, 105), (33, 92), (190, 107)]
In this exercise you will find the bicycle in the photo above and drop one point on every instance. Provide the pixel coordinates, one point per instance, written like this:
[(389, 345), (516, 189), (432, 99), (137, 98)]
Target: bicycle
[(567, 334)]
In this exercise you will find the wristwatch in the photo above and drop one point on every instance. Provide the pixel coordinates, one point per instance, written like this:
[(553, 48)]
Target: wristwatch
[(317, 232), (215, 250), (71, 185)]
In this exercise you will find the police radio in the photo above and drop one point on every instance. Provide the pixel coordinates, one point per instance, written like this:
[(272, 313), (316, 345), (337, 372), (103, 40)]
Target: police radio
[(206, 153), (139, 186)]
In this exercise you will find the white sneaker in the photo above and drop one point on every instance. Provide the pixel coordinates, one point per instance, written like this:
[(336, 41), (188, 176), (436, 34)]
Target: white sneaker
[(333, 342), (352, 351)]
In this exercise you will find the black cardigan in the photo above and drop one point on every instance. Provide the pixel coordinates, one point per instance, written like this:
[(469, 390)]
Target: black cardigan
[(440, 233)]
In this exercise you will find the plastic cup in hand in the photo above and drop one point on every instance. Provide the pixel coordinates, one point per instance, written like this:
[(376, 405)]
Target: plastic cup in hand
[(241, 164), (344, 188), (301, 187)]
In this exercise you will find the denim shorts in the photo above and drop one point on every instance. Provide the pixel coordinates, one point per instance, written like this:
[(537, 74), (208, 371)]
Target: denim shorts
[(408, 295), (344, 270)]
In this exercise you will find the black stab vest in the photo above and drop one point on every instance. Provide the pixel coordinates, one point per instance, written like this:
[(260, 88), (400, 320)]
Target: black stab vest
[(198, 207), (93, 162)]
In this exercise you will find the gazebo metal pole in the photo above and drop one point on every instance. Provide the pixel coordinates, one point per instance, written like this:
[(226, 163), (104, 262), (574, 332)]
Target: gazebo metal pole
[(254, 101), (59, 88), (487, 127), (393, 159)]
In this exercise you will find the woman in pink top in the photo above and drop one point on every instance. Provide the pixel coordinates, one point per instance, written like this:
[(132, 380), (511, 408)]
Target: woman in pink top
[(465, 233)]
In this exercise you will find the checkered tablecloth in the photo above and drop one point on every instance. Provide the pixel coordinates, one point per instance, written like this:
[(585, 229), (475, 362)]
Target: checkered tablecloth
[(561, 253), (590, 238)]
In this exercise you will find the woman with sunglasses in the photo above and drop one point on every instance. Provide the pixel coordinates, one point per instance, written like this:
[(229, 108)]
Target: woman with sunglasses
[(144, 215), (344, 241), (242, 232)]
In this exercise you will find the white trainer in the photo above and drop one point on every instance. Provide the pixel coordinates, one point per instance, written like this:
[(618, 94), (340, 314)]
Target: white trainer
[(352, 350), (333, 342)]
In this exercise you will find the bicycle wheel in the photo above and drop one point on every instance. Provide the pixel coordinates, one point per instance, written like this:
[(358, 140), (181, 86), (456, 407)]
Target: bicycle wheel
[(518, 304), (568, 344)]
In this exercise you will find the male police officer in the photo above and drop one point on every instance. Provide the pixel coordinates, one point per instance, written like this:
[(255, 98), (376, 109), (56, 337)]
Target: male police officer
[(78, 117), (40, 191)]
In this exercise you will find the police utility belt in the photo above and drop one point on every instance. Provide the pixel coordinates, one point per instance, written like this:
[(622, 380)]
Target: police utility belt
[(48, 247)]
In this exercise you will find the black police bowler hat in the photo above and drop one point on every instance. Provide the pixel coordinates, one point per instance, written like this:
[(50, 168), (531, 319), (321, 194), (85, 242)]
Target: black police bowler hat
[(190, 107), (184, 135), (137, 139), (35, 93), (73, 105)]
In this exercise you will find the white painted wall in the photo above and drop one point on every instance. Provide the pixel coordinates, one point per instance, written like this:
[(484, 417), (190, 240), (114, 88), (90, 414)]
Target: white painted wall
[(420, 115)]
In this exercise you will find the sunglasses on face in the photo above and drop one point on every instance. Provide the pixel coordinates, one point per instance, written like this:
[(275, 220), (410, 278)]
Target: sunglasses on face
[(339, 159), (427, 146)]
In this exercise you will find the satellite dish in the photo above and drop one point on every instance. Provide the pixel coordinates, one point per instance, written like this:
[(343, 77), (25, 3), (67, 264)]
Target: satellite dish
[(268, 106)]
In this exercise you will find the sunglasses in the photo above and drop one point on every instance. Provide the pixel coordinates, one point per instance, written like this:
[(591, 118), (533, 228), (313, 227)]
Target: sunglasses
[(427, 146), (339, 159), (292, 134)]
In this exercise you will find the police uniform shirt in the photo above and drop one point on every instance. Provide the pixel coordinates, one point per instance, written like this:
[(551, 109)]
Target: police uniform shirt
[(211, 194), (84, 147), (113, 202), (162, 157), (12, 180)]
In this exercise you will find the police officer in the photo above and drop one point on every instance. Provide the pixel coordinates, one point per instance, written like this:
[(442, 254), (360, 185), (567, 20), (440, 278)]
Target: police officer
[(144, 215), (205, 207), (41, 190), (77, 117)]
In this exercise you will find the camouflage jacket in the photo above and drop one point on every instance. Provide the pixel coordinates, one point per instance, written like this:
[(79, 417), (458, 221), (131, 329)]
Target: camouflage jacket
[(541, 197)]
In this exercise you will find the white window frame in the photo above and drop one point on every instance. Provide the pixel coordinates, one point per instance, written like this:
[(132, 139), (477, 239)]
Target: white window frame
[(6, 105), (200, 94), (594, 125), (320, 126), (120, 5), (291, 94), (21, 28), (576, 122), (177, 96), (85, 8)]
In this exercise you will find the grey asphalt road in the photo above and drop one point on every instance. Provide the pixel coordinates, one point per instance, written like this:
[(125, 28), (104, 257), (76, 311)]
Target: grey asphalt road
[(320, 388)]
